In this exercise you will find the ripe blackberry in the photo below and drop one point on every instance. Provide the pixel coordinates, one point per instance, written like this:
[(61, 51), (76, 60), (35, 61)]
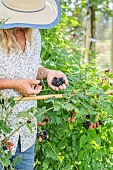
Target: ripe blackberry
[(100, 122), (4, 148), (46, 119), (38, 134), (86, 124), (29, 121), (40, 84), (46, 137), (45, 132), (62, 80), (54, 81), (43, 136), (88, 116), (58, 81)]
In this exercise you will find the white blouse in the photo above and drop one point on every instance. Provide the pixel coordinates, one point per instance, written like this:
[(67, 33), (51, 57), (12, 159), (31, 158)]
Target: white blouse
[(21, 65)]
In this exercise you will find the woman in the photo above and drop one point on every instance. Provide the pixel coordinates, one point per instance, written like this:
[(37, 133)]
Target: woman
[(20, 64)]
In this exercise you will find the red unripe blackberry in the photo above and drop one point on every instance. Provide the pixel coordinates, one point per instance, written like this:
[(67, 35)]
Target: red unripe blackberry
[(11, 144), (69, 119), (94, 125), (72, 119), (101, 82), (39, 123), (40, 139), (97, 124)]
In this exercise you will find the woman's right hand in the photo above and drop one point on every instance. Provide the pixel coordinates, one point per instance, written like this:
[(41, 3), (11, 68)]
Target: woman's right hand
[(26, 86)]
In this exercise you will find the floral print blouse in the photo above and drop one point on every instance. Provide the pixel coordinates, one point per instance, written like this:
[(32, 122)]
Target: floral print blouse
[(21, 65)]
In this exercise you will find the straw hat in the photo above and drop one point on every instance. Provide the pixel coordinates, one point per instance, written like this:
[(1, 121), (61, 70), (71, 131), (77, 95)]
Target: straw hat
[(29, 13)]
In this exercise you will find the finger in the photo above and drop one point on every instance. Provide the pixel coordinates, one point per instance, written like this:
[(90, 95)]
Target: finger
[(66, 80), (51, 86), (36, 91), (34, 81), (38, 87), (54, 87), (64, 86), (60, 87), (32, 86)]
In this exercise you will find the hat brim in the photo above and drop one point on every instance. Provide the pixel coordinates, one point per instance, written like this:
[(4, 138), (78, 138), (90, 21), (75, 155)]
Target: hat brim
[(43, 19)]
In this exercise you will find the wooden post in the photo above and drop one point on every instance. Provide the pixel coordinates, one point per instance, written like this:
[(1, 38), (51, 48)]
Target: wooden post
[(88, 33), (112, 44)]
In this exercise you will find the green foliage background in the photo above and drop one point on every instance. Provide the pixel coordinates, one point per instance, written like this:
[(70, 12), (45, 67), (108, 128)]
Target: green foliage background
[(70, 145)]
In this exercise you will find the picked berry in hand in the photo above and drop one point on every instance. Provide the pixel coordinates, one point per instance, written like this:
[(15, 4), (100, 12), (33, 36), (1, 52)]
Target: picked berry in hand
[(40, 84), (58, 81)]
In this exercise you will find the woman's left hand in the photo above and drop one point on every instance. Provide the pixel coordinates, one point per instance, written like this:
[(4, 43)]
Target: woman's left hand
[(53, 73)]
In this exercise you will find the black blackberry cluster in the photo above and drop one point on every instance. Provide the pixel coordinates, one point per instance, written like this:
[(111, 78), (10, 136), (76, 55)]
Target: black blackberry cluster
[(87, 124), (43, 135), (58, 81)]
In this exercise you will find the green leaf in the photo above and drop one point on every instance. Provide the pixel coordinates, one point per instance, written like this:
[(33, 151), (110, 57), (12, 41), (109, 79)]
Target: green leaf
[(101, 152), (17, 160), (45, 165), (68, 106), (8, 155), (57, 107), (83, 140), (1, 123), (24, 115)]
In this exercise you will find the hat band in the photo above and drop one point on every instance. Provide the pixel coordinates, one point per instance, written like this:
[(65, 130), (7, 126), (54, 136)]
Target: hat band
[(22, 10)]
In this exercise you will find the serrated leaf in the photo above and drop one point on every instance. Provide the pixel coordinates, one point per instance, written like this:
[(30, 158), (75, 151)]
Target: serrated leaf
[(24, 115), (68, 106), (57, 107), (17, 160), (83, 140)]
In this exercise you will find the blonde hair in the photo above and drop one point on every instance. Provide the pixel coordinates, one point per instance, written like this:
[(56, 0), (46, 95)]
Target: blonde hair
[(8, 41)]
